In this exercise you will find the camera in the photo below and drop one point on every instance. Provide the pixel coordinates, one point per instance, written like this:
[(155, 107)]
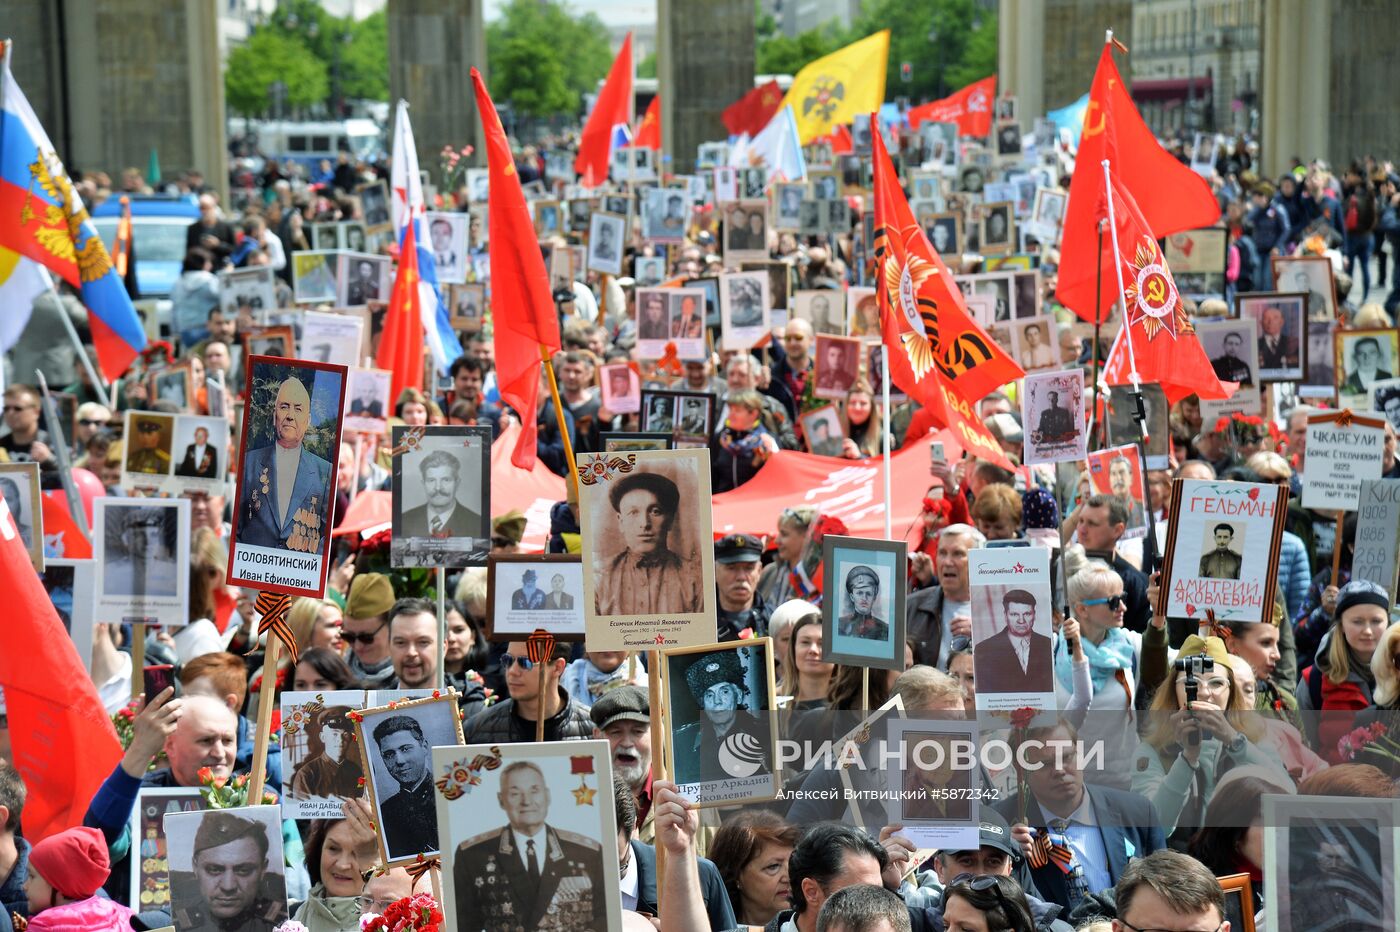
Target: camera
[(1193, 666)]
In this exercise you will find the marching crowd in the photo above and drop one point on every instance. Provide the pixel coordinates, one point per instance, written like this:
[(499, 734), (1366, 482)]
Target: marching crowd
[(1141, 842)]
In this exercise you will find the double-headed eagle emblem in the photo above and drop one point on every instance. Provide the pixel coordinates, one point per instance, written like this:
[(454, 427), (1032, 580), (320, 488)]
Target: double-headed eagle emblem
[(60, 227)]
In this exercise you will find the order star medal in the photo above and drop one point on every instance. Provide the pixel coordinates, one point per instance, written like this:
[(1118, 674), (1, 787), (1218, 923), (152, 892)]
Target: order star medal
[(1151, 294)]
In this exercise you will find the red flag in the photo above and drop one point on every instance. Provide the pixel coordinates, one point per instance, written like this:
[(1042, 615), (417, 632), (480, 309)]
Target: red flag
[(61, 740), (937, 353), (750, 113), (970, 108), (839, 139), (62, 536), (401, 345), (649, 130), (526, 323), (1171, 196), (611, 108), (1164, 342)]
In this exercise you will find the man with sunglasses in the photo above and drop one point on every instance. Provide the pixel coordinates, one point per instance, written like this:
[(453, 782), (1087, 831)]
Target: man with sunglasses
[(513, 720), (26, 442), (366, 629)]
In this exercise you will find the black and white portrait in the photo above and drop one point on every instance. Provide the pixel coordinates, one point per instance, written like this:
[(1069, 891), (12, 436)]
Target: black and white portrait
[(351, 236), (1385, 399), (468, 306), (1329, 863), (743, 308), (998, 233), (1222, 550), (1048, 214), (753, 182), (362, 278), (825, 186), (665, 214), (374, 203), (838, 216), (320, 762), (606, 236), (745, 232), (822, 429), (1233, 349), (723, 740), (1363, 358), (1053, 415), (836, 366), (142, 547), (1009, 140), (1309, 275), (788, 212), (333, 338), (647, 553), (173, 385), (396, 747), (478, 185), (1203, 155), (441, 502), (447, 234), (532, 591), (648, 270), (863, 616), (226, 869), (324, 235), (811, 217), (367, 400), (824, 310), (251, 289), (529, 834), (19, 485)]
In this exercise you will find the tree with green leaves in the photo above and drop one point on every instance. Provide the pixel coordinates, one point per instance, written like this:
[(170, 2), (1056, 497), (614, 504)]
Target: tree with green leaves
[(269, 57), (544, 58)]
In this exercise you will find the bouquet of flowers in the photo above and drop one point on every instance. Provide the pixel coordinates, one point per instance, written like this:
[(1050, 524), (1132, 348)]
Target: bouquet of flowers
[(1370, 739), (124, 721), (1252, 431), (452, 166), (416, 913), (223, 793)]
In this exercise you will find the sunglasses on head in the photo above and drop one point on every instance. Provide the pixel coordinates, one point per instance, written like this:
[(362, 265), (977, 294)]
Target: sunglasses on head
[(364, 638), (982, 884), (1114, 602)]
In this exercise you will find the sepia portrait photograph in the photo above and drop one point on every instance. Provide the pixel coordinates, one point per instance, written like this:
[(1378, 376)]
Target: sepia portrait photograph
[(744, 309), (440, 483), (647, 554), (745, 232), (149, 455), (227, 870), (534, 591), (467, 306), (320, 762), (143, 548), (836, 366), (619, 388), (1282, 321)]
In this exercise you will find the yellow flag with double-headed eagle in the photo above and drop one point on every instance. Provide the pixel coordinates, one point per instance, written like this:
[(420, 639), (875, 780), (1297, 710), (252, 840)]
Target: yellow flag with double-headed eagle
[(832, 90)]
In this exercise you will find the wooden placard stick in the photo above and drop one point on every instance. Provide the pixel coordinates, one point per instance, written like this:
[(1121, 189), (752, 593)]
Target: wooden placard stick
[(539, 647), (1337, 548), (272, 610), (138, 659), (658, 751)]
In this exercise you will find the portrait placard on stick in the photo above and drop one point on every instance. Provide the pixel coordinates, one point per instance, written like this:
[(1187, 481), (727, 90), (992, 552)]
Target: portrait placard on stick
[(648, 556), (208, 849), (150, 873), (863, 612), (929, 794), (441, 496), (1222, 549), (143, 548), (1052, 408), (286, 476), (1376, 554), (320, 763), (1342, 450), (1118, 472), (534, 591), (1011, 626)]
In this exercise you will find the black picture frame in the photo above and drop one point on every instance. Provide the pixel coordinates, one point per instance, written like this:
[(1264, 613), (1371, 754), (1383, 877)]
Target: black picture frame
[(681, 439), (546, 565), (889, 564)]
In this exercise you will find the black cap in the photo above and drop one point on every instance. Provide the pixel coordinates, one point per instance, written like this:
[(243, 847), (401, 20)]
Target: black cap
[(621, 704), (738, 548), (993, 832), (148, 427), (222, 828)]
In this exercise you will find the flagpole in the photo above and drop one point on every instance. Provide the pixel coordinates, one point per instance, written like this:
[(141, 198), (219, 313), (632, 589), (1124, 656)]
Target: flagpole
[(889, 496), (1149, 550), (1098, 338), (572, 489)]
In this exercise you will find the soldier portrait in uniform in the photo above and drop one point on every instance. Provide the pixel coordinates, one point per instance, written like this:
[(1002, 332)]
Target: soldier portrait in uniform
[(226, 869), (148, 445), (837, 366), (19, 485), (1221, 552), (142, 548), (665, 213), (743, 309), (647, 552), (863, 619), (529, 837), (286, 479), (530, 591), (721, 698), (396, 747), (441, 496), (606, 236), (321, 762)]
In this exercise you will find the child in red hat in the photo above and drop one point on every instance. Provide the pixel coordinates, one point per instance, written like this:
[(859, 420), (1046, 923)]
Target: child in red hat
[(65, 871)]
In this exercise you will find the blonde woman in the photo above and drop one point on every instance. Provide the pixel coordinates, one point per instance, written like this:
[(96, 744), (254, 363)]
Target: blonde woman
[(806, 677), (314, 623)]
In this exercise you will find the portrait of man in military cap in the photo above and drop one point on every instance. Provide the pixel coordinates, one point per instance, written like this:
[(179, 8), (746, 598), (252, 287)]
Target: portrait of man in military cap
[(648, 576), (139, 558), (226, 870), (397, 746), (148, 443), (862, 595), (719, 701), (863, 620), (330, 765)]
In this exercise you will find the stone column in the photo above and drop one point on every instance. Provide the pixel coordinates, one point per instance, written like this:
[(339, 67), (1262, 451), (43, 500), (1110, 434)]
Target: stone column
[(433, 45), (1295, 83), (1364, 68), (1021, 44), (704, 62)]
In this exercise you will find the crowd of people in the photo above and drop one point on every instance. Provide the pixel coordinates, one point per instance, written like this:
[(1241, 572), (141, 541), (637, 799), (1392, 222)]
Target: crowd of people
[(1143, 839)]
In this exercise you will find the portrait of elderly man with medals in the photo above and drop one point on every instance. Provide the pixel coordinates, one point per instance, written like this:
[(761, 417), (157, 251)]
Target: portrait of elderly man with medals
[(285, 485)]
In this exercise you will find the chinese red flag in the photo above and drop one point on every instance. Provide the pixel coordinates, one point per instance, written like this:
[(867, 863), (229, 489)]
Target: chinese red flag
[(1171, 196), (649, 130), (401, 344), (1164, 342), (611, 109), (970, 108), (750, 113), (522, 306), (937, 353), (62, 742)]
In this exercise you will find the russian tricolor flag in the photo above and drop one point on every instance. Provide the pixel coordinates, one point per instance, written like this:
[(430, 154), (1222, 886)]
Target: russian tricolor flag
[(43, 219)]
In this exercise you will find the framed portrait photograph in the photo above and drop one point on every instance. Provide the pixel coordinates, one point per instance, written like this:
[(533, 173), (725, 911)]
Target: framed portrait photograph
[(441, 496), (685, 317), (863, 612), (478, 185), (607, 236), (863, 313), (971, 179), (1008, 141), (648, 553), (619, 388), (1281, 319), (824, 310), (688, 417), (633, 441), (447, 234), (934, 800), (199, 454), (362, 278), (997, 233), (314, 276), (374, 201), (467, 304), (1322, 372), (1310, 275), (745, 232), (396, 745), (823, 431), (726, 184), (753, 182), (148, 457), (72, 588), (836, 365), (944, 232), (512, 812), (1117, 471), (350, 234), (367, 410), (665, 214), (1239, 902), (1048, 213), (534, 591), (1011, 627), (286, 475), (279, 342), (253, 289), (999, 286), (1329, 863), (548, 219), (721, 701), (1025, 290), (1222, 549), (1052, 410), (226, 868), (150, 873), (143, 548), (787, 206), (779, 283), (320, 762), (1233, 349), (838, 216), (578, 209), (1038, 342), (19, 484), (711, 154), (173, 384), (1385, 399), (648, 270), (332, 338), (1362, 358), (825, 185), (1203, 154), (323, 236), (812, 217), (744, 309)]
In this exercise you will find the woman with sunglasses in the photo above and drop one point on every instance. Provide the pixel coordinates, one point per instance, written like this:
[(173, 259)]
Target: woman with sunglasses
[(1096, 665), (990, 903)]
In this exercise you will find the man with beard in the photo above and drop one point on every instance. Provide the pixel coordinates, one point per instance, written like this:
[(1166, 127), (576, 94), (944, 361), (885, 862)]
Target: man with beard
[(335, 769), (410, 815), (623, 716), (443, 514), (286, 487), (529, 597), (716, 681)]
